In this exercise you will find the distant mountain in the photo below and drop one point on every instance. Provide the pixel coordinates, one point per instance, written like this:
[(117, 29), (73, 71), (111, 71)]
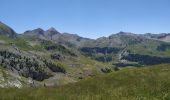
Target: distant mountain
[(7, 31), (120, 39), (162, 36), (36, 33), (48, 57), (53, 35), (125, 47)]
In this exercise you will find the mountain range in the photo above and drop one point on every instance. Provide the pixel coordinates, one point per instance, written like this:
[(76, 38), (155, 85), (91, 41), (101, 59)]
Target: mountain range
[(47, 57)]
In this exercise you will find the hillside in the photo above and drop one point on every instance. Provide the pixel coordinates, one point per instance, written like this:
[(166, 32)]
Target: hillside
[(118, 48), (147, 83), (162, 36), (7, 31), (32, 61), (47, 57), (52, 34), (45, 62), (84, 50)]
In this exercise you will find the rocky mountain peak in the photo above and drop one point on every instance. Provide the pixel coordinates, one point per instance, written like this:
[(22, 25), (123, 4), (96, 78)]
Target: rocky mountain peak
[(37, 31), (52, 30), (124, 33)]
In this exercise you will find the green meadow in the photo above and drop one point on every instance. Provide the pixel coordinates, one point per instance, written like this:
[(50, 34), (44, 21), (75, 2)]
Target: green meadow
[(146, 83)]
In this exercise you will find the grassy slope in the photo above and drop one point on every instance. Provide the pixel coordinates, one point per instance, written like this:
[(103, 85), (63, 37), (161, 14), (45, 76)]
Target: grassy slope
[(149, 48), (86, 65), (151, 83), (20, 43), (5, 28)]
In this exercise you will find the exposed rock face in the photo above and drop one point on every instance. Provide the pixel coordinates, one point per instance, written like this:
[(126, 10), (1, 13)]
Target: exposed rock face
[(10, 79), (57, 56), (52, 34), (7, 31), (37, 69), (166, 39)]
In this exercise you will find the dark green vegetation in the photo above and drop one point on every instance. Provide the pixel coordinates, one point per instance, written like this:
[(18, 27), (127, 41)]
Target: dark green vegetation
[(29, 67), (41, 57), (163, 47), (100, 54), (123, 45), (148, 83), (50, 46), (69, 67), (146, 59)]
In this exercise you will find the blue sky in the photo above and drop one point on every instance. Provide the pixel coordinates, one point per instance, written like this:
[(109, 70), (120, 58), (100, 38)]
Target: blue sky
[(87, 18)]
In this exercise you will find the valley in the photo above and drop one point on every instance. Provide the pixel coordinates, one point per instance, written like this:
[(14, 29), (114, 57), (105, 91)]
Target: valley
[(122, 65)]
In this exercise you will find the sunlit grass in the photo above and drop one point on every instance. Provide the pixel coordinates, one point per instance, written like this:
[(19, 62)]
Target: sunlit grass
[(151, 83)]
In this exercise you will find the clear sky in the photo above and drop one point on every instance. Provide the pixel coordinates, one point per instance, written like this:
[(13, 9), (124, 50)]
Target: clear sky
[(87, 18)]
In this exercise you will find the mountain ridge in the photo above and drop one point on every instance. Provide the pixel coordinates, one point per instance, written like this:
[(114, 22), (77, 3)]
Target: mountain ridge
[(7, 31), (48, 57), (52, 31)]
